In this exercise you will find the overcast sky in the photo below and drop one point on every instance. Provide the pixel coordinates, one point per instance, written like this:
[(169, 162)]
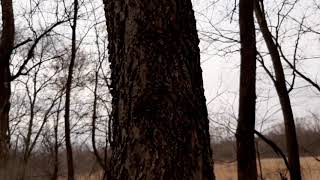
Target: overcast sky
[(221, 68), (220, 56)]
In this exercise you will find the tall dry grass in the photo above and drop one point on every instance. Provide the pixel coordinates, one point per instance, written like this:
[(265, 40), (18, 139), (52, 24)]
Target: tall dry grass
[(271, 169)]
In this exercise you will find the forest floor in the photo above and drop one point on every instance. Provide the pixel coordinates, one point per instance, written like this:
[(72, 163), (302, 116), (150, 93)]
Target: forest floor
[(271, 169)]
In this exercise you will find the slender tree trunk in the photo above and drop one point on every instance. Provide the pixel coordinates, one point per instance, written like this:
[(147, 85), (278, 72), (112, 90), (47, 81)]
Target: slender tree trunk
[(56, 154), (56, 144), (68, 94), (6, 46), (160, 120), (246, 154), (259, 160), (280, 85), (94, 118)]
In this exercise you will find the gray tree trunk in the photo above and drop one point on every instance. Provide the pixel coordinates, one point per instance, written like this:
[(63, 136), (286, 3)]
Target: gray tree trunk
[(160, 120)]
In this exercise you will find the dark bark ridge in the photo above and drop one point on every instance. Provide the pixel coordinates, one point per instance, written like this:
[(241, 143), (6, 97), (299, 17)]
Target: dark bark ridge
[(160, 123)]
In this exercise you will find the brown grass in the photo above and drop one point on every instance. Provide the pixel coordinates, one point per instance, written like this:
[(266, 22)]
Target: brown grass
[(271, 169)]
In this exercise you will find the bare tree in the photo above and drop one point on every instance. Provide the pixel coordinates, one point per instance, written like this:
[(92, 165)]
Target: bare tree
[(94, 119), (56, 144), (32, 136), (246, 154), (280, 85), (68, 93)]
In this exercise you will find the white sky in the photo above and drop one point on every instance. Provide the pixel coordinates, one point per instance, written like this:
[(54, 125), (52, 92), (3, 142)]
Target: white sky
[(221, 72), (220, 66)]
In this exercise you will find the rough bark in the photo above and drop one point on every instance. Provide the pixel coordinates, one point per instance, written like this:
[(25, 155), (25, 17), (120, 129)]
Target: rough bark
[(246, 155), (6, 46), (280, 85), (160, 123), (67, 129)]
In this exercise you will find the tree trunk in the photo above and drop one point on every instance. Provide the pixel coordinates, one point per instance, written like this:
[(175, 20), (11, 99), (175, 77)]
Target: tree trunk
[(6, 46), (93, 123), (160, 120), (68, 95), (246, 155), (280, 85), (56, 145)]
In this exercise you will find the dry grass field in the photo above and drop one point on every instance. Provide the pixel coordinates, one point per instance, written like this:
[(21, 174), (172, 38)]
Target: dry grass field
[(271, 169)]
